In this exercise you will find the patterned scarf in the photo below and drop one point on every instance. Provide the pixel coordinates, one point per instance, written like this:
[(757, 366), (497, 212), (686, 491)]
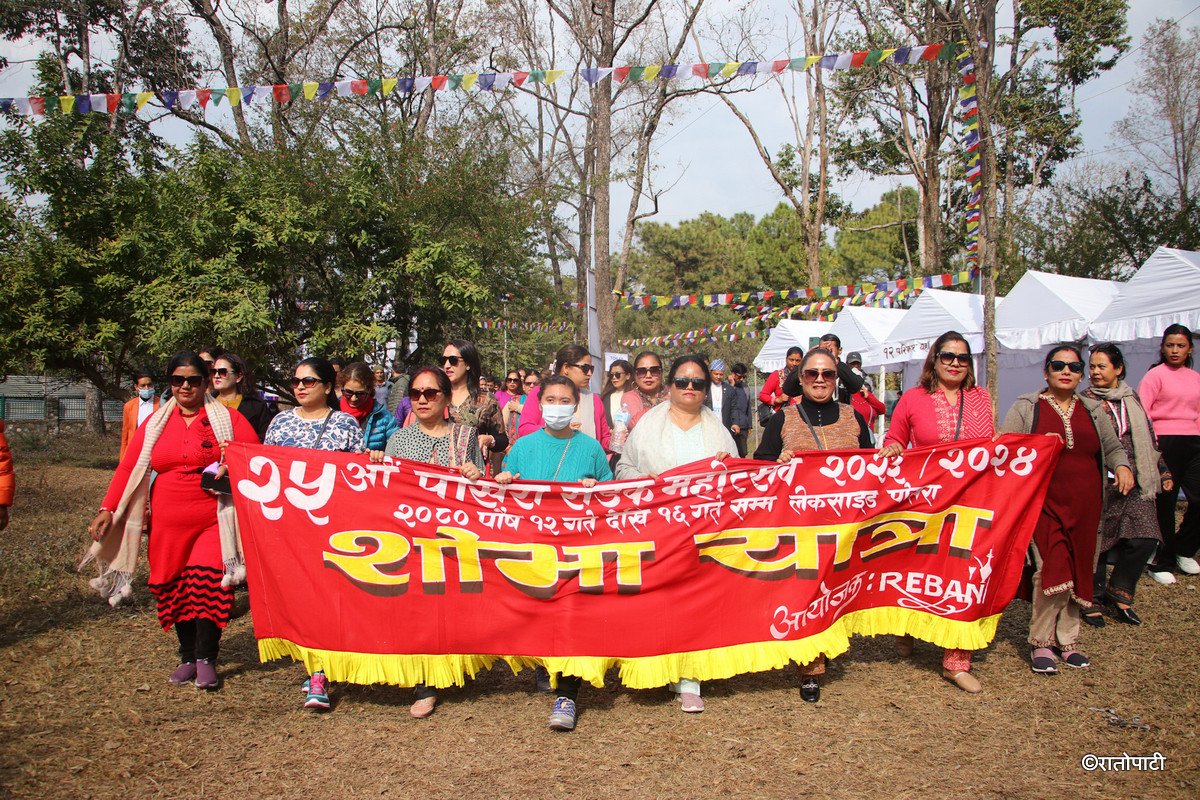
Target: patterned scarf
[(116, 555), (1145, 450)]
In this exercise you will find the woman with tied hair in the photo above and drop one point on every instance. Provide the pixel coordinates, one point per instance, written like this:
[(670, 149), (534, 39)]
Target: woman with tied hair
[(817, 422), (648, 389), (1129, 532), (234, 388), (468, 404), (679, 431), (194, 551), (944, 407), (315, 425), (1171, 393), (357, 384), (573, 362), (772, 394), (1065, 537)]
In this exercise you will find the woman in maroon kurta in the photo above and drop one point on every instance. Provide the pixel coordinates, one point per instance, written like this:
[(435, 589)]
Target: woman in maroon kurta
[(186, 566)]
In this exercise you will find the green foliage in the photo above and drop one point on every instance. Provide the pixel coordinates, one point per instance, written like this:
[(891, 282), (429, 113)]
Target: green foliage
[(883, 253)]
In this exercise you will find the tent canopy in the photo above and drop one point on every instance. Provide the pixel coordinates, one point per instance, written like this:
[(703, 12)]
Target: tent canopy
[(935, 312), (1045, 309), (787, 334), (1165, 290), (865, 329)]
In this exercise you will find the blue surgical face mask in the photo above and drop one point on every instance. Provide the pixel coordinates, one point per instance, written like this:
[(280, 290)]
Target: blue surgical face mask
[(557, 416), (146, 394)]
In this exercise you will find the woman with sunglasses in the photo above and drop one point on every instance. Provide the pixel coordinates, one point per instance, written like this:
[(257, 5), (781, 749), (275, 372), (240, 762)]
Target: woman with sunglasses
[(1171, 391), (357, 383), (574, 362), (193, 549), (434, 439), (945, 406), (470, 406), (509, 399), (1129, 533), (679, 431), (648, 389), (315, 425), (233, 386), (1064, 541), (817, 422), (620, 380), (558, 452)]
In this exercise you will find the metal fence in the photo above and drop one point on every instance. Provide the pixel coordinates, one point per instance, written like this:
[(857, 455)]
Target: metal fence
[(23, 408), (70, 409), (74, 409)]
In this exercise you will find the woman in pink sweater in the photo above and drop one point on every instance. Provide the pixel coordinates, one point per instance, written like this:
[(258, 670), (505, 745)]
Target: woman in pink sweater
[(1170, 391)]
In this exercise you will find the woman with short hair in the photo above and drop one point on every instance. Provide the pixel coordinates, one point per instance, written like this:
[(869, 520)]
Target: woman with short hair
[(679, 431), (194, 551)]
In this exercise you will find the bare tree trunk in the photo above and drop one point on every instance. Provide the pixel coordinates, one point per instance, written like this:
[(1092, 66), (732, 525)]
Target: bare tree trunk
[(989, 228), (602, 116), (93, 408), (225, 44)]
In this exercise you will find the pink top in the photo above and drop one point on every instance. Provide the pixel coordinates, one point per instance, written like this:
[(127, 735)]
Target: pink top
[(921, 419), (531, 417), (1171, 396)]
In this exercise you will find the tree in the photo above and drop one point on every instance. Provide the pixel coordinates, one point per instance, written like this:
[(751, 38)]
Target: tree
[(879, 243)]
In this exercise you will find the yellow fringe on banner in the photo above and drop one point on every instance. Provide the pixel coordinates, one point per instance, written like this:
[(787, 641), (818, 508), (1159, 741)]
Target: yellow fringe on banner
[(648, 672)]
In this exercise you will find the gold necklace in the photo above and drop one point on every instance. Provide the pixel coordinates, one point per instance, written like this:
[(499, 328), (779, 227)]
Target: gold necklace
[(1066, 416)]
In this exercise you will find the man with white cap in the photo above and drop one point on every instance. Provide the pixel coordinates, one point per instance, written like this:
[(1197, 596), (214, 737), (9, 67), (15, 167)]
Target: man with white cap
[(729, 403)]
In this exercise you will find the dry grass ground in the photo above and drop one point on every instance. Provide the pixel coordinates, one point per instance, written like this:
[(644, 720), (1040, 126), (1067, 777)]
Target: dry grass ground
[(86, 711)]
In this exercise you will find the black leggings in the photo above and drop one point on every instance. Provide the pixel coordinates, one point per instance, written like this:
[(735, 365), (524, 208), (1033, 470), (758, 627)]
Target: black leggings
[(568, 686), (198, 639), (1182, 454), (1128, 557)]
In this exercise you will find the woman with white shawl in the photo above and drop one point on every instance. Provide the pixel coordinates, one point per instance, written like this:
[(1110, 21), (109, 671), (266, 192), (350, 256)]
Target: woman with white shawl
[(673, 433)]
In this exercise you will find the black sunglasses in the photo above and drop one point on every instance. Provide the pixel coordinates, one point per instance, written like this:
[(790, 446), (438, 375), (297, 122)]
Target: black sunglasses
[(307, 381), (355, 394), (1074, 366), (586, 369), (194, 381), (512, 380), (693, 383), (221, 372), (531, 383), (451, 360), (428, 395), (812, 374), (947, 358), (643, 371)]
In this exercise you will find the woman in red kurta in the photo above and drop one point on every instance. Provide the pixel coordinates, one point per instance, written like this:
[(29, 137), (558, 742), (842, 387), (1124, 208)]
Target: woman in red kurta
[(946, 406), (186, 561)]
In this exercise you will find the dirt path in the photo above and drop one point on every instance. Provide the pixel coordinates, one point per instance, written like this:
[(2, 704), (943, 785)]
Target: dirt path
[(86, 711)]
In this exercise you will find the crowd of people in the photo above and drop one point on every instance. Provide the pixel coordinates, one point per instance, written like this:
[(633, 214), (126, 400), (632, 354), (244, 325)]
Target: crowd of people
[(1110, 503)]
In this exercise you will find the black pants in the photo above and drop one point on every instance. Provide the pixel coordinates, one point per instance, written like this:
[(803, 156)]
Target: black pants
[(198, 639), (1128, 557), (568, 686), (740, 440), (1182, 454), (422, 691)]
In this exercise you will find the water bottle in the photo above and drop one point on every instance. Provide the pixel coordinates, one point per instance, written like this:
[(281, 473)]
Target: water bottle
[(620, 431)]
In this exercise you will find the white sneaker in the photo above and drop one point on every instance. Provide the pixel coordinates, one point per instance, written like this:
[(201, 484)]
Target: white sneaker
[(1163, 577), (1188, 565)]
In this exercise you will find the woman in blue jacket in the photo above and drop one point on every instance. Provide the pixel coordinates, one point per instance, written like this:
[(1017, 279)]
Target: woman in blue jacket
[(357, 382)]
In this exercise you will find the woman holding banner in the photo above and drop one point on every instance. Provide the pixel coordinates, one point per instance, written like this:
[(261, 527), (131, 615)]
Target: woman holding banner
[(680, 431), (1130, 533), (945, 406), (194, 553), (434, 439), (1065, 538), (817, 422), (558, 452), (313, 424)]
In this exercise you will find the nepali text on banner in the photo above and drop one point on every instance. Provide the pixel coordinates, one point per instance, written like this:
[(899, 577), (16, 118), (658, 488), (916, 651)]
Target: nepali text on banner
[(406, 573)]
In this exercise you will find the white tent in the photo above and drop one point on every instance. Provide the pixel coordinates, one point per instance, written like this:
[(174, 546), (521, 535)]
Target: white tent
[(864, 330), (1042, 310), (1164, 291), (787, 334)]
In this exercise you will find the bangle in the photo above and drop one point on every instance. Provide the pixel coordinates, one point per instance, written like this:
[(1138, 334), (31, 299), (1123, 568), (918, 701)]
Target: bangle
[(102, 508)]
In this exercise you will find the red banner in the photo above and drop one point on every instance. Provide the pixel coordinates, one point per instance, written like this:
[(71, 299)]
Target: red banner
[(404, 572)]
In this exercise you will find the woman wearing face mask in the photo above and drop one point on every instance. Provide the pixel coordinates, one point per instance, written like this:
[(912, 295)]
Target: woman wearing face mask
[(680, 431), (313, 424), (558, 452), (817, 422), (137, 408), (193, 551), (357, 383), (434, 439), (468, 404), (573, 362), (234, 388), (1064, 540), (1129, 533), (1171, 392)]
